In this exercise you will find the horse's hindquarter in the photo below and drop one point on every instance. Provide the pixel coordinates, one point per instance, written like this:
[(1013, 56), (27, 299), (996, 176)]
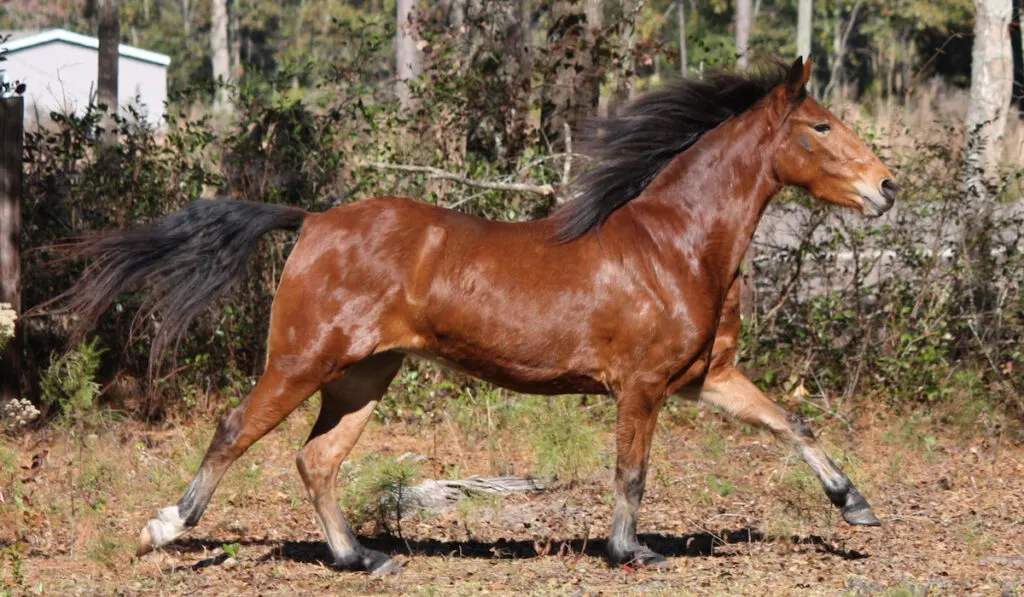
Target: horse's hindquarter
[(342, 294)]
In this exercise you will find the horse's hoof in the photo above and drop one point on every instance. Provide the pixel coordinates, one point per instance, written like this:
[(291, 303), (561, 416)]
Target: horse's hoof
[(145, 542), (861, 515), (386, 567), (640, 557), (857, 510), (371, 561), (159, 531)]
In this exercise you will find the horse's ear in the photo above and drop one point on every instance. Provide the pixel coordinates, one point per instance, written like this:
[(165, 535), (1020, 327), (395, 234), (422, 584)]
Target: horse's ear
[(796, 80)]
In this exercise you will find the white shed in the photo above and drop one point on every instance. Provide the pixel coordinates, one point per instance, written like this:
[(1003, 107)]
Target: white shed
[(59, 69)]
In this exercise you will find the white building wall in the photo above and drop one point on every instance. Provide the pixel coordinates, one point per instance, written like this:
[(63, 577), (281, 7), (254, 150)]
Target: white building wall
[(61, 77)]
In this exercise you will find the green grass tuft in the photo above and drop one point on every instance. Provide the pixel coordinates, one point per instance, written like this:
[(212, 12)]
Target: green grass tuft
[(566, 444), (371, 490)]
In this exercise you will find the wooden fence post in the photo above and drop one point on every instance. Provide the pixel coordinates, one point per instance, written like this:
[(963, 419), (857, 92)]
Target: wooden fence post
[(12, 111)]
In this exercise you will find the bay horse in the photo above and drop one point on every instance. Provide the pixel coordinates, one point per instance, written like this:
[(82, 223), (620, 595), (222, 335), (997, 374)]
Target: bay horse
[(629, 290)]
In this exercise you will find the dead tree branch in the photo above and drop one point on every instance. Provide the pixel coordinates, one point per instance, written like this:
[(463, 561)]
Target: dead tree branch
[(437, 173)]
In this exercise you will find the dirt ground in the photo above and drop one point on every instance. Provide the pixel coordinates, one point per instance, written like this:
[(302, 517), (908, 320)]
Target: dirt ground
[(737, 514)]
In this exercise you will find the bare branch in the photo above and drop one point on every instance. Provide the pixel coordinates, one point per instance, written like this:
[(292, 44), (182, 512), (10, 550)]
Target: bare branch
[(437, 173), (841, 43)]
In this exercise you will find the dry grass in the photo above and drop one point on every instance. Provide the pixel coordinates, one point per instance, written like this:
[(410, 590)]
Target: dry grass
[(736, 512)]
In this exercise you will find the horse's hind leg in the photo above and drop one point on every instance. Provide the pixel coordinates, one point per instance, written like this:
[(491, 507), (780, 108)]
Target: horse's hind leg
[(347, 404), (729, 389), (276, 394)]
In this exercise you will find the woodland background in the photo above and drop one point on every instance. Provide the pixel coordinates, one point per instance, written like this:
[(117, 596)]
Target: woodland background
[(476, 104)]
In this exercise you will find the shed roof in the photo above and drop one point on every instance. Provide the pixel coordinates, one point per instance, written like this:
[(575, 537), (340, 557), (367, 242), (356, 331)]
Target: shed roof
[(20, 40)]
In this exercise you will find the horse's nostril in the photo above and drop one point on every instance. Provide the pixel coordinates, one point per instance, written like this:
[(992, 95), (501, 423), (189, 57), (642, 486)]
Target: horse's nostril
[(889, 188)]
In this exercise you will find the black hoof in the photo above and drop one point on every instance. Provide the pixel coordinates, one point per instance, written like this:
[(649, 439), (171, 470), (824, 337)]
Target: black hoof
[(368, 560), (861, 516), (858, 512), (637, 557)]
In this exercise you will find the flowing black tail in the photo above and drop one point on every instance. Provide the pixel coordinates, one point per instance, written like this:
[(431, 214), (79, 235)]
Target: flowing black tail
[(186, 260)]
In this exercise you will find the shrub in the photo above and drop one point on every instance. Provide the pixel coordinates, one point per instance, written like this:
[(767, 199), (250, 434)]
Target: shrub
[(373, 488), (910, 307), (17, 413), (70, 381)]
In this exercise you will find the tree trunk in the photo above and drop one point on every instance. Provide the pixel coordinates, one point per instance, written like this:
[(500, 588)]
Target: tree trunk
[(1017, 45), (455, 11), (838, 51), (991, 89), (840, 40), (1020, 41), (186, 18), (11, 138), (572, 91), (627, 44), (219, 51), (890, 75), (524, 86), (803, 28), (682, 37), (744, 19), (234, 43), (106, 85), (590, 86), (408, 64), (989, 102), (564, 37), (526, 34)]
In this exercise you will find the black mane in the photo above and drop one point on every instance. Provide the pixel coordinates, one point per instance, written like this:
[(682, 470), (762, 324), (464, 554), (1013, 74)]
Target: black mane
[(629, 149)]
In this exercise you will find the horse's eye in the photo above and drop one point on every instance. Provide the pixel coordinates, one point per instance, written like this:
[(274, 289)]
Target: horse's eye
[(822, 128)]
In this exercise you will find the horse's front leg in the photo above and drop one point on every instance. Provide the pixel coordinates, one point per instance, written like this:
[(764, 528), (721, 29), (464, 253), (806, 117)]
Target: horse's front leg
[(637, 414), (730, 390)]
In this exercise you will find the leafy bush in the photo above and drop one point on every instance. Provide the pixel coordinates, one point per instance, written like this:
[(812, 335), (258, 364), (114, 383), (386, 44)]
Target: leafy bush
[(910, 307), (70, 381), (17, 413), (74, 186)]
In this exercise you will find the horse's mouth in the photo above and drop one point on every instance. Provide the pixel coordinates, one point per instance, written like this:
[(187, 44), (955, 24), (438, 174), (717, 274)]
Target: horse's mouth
[(872, 202), (873, 208)]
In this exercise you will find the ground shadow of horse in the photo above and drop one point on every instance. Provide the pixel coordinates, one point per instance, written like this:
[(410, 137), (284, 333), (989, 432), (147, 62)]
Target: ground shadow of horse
[(690, 545)]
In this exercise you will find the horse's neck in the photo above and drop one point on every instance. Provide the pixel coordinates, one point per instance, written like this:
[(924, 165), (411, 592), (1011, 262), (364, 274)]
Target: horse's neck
[(708, 201)]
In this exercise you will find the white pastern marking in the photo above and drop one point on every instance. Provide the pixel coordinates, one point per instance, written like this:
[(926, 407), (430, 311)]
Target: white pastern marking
[(167, 526)]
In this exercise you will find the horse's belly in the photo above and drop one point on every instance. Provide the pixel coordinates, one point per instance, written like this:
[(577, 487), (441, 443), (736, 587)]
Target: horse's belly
[(515, 376)]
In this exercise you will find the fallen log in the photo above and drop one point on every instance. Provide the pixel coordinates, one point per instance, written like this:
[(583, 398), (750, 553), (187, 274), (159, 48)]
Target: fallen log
[(438, 496)]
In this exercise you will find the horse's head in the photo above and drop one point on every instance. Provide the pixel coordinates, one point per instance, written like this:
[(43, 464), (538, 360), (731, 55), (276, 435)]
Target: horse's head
[(818, 152)]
